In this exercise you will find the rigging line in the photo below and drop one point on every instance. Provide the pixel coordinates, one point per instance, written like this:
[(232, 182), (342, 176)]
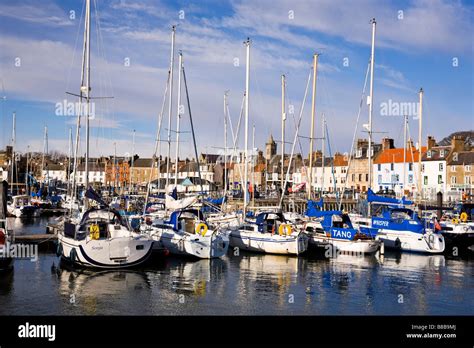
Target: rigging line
[(299, 140), (332, 164), (236, 136), (295, 138), (192, 128), (157, 148), (68, 78), (361, 103)]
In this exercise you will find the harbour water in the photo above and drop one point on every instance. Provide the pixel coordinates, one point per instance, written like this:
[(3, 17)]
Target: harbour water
[(244, 284)]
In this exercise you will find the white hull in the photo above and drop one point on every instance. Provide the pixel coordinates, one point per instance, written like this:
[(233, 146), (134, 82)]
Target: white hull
[(429, 242), (211, 245), (294, 244), (118, 252), (347, 246)]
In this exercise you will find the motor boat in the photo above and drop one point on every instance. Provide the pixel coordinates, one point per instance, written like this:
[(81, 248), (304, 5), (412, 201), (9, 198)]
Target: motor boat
[(188, 233), (269, 233)]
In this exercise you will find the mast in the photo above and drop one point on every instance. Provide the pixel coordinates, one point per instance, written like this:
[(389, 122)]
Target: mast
[(27, 171), (225, 145), (87, 88), (371, 107), (13, 148), (311, 139), (246, 131), (420, 120), (69, 151), (252, 177), (133, 160), (45, 153), (405, 121), (283, 119), (323, 150), (178, 119), (170, 106)]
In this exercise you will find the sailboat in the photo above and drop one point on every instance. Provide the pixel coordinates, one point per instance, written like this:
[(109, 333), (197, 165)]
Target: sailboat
[(101, 238), (270, 232)]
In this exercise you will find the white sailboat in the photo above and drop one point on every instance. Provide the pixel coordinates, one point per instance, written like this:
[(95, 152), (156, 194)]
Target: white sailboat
[(102, 238)]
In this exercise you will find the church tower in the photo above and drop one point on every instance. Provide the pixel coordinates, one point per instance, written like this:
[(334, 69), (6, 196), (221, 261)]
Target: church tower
[(270, 148)]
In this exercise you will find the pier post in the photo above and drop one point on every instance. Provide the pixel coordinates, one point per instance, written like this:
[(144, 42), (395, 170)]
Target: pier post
[(439, 197)]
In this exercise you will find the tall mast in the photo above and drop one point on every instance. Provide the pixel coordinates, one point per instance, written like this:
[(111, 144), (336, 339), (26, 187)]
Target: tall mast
[(27, 186), (420, 120), (170, 105), (252, 178), (132, 160), (371, 107), (283, 119), (405, 121), (178, 119), (87, 89), (69, 154), (45, 152), (225, 145), (247, 83), (311, 139), (323, 150), (13, 149)]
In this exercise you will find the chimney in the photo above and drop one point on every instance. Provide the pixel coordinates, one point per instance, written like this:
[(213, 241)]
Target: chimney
[(362, 142), (457, 143), (387, 143), (431, 142)]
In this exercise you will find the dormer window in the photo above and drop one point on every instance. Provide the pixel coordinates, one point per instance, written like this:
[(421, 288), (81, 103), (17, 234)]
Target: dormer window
[(359, 153)]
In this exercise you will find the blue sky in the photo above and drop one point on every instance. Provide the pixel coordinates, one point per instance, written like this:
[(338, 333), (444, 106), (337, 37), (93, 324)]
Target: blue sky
[(414, 48)]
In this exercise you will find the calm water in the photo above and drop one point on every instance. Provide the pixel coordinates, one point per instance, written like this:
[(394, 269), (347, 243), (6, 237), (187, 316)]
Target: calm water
[(248, 284)]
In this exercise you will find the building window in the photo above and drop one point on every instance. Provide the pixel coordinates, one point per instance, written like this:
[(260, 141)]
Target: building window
[(410, 178), (441, 167), (360, 177), (410, 166), (467, 180), (428, 154), (379, 179), (441, 153), (467, 168), (453, 168), (353, 177), (359, 153), (391, 166), (379, 167), (440, 179), (425, 180), (453, 180), (366, 177)]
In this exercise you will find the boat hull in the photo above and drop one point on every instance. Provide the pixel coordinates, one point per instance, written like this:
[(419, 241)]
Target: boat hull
[(122, 252), (346, 246), (212, 245), (294, 244), (431, 243)]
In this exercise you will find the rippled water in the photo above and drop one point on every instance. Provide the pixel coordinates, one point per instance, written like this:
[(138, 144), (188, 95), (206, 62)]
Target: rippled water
[(243, 285)]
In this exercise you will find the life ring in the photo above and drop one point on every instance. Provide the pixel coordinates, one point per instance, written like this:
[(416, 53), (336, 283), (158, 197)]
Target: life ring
[(282, 228), (463, 216), (201, 229)]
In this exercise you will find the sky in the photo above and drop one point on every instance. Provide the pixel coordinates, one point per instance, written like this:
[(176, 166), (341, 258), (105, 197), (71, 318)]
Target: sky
[(419, 44)]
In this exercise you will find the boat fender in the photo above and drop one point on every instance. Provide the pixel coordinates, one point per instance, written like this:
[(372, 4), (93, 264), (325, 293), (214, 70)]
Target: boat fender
[(455, 221), (59, 249), (201, 229), (73, 255), (283, 228), (463, 217), (94, 231)]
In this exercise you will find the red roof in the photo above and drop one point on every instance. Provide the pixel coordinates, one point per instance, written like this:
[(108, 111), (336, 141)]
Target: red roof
[(396, 155)]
